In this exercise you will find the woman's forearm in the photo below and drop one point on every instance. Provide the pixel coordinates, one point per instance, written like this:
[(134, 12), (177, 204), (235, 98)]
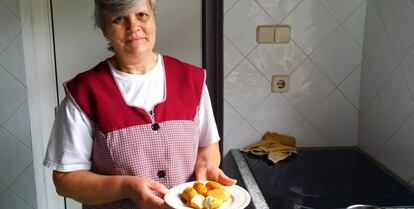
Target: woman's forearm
[(90, 188), (207, 165), (209, 155)]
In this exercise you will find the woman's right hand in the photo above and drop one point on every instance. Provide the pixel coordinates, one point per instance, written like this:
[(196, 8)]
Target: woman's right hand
[(143, 191)]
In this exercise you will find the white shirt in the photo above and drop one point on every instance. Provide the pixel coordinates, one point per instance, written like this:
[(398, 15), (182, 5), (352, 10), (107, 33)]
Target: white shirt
[(70, 143)]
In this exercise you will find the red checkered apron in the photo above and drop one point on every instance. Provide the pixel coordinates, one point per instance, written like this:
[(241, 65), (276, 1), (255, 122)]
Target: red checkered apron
[(129, 141)]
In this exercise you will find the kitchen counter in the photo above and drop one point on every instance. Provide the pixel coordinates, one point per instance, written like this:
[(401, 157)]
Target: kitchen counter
[(317, 178), (236, 166)]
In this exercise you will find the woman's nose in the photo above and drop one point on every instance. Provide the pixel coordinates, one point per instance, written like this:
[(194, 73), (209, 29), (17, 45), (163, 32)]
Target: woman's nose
[(134, 24)]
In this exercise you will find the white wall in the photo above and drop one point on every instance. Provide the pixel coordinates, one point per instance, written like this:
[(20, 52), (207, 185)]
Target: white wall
[(323, 61), (17, 185), (351, 69), (386, 129)]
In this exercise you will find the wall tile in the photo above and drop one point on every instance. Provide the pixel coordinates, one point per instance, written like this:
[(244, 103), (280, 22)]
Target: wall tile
[(325, 117), (385, 7), (368, 89), (373, 26), (351, 88), (245, 88), (278, 9), (19, 125), (390, 109), (308, 87), (350, 139), (12, 59), (232, 56), (275, 114), (12, 94), (407, 68), (14, 155), (403, 144), (372, 134), (2, 188), (311, 24), (355, 24), (280, 59), (10, 27), (381, 59), (11, 148), (240, 24), (10, 200), (232, 119), (307, 136), (400, 27), (227, 4), (13, 5), (388, 156), (244, 135), (337, 66), (342, 9), (25, 187), (396, 99)]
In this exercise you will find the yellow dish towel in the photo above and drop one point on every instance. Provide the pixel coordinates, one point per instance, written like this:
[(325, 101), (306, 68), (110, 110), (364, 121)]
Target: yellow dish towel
[(276, 146)]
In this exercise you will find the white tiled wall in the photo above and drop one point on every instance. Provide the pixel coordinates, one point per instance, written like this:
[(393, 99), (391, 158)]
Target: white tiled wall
[(17, 187), (387, 86), (323, 61)]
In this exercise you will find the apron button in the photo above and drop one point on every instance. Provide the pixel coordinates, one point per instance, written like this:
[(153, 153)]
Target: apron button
[(155, 126), (161, 174)]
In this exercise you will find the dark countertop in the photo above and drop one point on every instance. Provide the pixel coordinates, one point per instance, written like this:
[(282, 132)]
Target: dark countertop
[(361, 180)]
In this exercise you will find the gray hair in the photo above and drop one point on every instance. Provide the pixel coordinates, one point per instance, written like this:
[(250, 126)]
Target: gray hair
[(105, 8)]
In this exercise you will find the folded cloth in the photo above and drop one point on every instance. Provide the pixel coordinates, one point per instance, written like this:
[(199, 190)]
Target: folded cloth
[(276, 146)]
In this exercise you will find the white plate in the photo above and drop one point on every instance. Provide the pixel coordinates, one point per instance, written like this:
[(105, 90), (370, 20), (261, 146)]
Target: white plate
[(240, 198)]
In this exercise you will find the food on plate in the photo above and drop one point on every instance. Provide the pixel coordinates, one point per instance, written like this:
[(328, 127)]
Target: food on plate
[(200, 187), (220, 194), (188, 194), (214, 185), (211, 195), (197, 202)]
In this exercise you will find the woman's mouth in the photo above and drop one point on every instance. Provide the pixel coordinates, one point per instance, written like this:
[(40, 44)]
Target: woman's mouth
[(135, 40)]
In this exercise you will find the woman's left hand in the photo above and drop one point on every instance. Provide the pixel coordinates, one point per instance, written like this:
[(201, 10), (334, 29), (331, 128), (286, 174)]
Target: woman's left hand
[(213, 173)]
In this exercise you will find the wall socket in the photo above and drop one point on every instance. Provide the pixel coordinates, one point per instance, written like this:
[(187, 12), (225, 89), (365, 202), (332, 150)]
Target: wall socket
[(280, 83)]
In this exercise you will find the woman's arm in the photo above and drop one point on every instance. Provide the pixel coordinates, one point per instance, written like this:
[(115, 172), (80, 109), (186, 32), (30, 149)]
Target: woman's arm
[(207, 165), (91, 188)]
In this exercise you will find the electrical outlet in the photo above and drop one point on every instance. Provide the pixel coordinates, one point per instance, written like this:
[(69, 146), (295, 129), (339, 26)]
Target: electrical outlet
[(280, 83)]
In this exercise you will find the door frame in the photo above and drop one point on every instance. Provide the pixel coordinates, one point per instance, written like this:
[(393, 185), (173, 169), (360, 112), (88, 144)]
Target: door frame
[(37, 34), (213, 58)]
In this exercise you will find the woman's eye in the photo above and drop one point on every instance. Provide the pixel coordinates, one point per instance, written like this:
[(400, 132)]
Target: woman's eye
[(143, 16), (118, 19)]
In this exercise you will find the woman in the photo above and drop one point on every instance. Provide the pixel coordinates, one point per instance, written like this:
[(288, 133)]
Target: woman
[(136, 124)]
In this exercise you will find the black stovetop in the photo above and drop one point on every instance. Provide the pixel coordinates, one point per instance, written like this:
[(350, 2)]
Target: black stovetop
[(327, 178)]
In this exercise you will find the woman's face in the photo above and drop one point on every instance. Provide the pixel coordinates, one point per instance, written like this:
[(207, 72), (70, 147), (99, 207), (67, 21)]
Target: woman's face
[(132, 34)]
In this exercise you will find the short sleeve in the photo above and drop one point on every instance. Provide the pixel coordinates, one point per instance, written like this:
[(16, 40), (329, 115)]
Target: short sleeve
[(207, 124), (70, 143)]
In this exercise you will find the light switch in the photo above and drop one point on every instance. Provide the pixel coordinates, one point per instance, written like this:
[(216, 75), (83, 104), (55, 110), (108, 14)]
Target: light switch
[(282, 34), (265, 34)]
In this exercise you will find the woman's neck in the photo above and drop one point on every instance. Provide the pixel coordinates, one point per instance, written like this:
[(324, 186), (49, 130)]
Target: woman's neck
[(137, 65)]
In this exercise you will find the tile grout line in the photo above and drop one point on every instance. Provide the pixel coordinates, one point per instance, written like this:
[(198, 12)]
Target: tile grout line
[(238, 50), (349, 33), (231, 7), (11, 189), (393, 133), (8, 131), (5, 49), (10, 10)]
